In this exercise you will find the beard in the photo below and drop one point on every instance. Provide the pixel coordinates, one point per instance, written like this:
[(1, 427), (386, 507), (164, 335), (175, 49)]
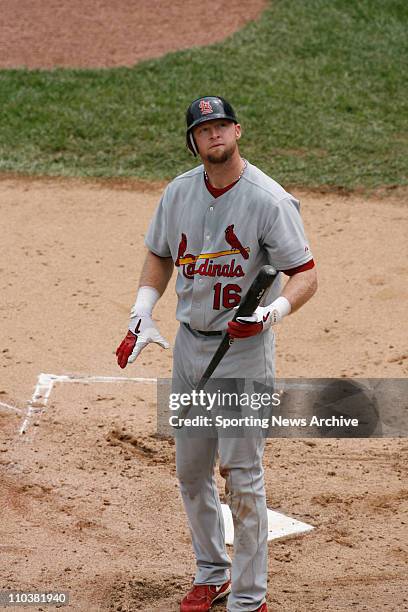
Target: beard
[(220, 157)]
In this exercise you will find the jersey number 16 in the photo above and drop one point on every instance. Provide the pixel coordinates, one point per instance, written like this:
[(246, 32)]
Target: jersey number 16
[(230, 295)]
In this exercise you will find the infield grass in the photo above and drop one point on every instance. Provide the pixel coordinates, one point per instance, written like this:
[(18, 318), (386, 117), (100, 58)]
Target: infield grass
[(320, 87)]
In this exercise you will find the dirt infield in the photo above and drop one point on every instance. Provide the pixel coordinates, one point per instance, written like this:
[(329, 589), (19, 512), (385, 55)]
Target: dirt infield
[(90, 501), (102, 34)]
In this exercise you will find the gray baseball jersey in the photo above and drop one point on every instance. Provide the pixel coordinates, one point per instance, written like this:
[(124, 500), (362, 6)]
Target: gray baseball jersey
[(219, 244)]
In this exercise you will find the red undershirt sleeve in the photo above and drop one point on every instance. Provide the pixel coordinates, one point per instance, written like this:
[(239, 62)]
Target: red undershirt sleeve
[(306, 266)]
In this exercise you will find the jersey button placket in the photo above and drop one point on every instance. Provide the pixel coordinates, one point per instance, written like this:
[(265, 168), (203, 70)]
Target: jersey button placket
[(200, 296)]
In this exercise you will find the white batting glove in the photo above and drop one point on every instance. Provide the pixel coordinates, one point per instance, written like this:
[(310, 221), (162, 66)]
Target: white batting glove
[(269, 315), (145, 331), (142, 329)]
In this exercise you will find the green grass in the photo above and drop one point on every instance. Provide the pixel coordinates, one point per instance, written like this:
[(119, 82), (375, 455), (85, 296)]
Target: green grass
[(320, 87)]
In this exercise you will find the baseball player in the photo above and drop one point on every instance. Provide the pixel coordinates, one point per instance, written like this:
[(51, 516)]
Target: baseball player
[(218, 224)]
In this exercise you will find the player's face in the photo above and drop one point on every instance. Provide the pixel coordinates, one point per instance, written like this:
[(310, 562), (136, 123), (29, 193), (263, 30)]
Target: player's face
[(216, 140)]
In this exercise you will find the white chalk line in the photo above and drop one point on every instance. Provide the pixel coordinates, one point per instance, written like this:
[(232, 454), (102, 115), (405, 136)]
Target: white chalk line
[(45, 383), (11, 408)]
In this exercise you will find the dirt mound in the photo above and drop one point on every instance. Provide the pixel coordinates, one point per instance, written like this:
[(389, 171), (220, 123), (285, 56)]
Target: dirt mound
[(104, 34)]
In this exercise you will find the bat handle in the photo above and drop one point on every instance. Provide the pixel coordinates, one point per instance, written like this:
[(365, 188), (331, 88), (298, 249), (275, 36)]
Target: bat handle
[(252, 299)]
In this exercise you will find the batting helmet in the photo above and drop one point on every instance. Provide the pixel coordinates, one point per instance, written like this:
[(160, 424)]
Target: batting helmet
[(206, 109)]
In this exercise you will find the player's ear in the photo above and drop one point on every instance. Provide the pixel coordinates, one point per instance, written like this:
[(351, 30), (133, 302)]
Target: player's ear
[(238, 131)]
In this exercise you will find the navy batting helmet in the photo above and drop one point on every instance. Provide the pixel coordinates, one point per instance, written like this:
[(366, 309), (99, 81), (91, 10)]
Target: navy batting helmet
[(206, 109)]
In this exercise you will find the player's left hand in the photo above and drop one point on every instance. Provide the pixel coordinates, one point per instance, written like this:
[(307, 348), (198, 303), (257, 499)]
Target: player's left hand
[(245, 327), (261, 319)]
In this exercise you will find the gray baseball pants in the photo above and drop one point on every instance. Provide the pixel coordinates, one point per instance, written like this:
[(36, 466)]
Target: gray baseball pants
[(240, 460)]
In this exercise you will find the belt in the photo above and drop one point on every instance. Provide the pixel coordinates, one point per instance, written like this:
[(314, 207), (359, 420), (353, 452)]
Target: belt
[(204, 333)]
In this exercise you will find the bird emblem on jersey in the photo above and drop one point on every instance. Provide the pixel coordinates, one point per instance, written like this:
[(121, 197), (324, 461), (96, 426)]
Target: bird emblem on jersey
[(233, 241), (181, 249), (181, 254)]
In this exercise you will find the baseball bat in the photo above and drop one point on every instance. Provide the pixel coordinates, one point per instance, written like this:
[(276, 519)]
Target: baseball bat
[(248, 305)]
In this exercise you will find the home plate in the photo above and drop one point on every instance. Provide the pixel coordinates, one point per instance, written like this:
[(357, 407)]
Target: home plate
[(279, 525)]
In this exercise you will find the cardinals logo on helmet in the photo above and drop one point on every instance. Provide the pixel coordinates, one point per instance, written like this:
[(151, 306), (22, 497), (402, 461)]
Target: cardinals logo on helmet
[(205, 107)]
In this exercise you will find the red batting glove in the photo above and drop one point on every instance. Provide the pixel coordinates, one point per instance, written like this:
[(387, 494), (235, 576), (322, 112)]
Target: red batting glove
[(262, 318), (244, 330), (125, 349)]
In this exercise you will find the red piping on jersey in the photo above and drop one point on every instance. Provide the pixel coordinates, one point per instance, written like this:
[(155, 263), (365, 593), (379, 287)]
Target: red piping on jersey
[(306, 266)]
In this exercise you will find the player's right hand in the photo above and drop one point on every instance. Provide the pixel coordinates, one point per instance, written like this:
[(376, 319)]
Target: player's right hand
[(142, 331)]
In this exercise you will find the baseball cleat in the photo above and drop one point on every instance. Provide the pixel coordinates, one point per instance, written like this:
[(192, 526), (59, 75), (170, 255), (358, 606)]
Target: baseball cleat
[(201, 597), (263, 608)]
